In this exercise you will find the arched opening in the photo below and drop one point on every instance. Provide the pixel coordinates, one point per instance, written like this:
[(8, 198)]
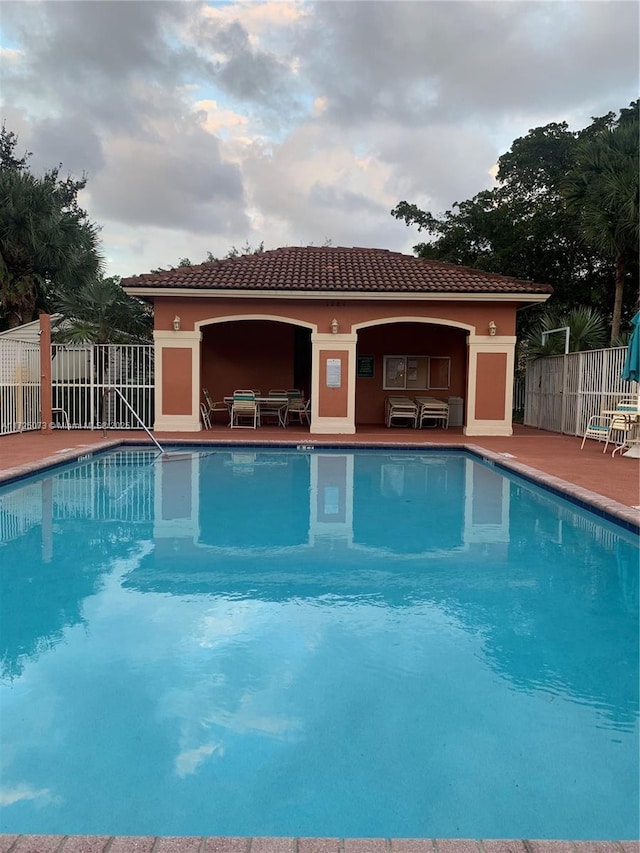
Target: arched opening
[(254, 353), (408, 357)]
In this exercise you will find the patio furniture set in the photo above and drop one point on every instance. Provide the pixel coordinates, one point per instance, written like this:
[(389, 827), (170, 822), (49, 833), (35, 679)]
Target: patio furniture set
[(248, 408), (619, 426), (416, 412)]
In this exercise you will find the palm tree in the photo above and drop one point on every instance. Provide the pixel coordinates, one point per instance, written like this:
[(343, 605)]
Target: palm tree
[(45, 242), (603, 190), (587, 330), (100, 312)]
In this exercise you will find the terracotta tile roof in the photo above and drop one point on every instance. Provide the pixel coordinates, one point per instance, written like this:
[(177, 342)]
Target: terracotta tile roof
[(325, 269)]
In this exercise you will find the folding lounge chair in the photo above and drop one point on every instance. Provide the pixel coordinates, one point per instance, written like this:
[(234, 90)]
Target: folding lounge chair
[(399, 408), (206, 420), (298, 407), (212, 408), (244, 408), (432, 411)]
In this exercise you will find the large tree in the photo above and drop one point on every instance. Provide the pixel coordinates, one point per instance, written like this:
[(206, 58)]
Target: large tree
[(602, 190), (47, 243), (524, 226)]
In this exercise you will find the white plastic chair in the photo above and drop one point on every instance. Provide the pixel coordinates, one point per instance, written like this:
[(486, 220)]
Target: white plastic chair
[(64, 417), (244, 408)]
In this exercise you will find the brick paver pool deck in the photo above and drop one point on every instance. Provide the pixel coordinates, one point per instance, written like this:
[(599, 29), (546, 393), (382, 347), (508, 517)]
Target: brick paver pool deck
[(609, 485)]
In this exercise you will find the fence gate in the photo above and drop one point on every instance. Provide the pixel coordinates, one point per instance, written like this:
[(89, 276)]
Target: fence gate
[(81, 377), (19, 386)]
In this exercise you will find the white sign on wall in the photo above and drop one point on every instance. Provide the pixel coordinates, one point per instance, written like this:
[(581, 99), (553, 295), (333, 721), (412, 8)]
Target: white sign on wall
[(334, 373)]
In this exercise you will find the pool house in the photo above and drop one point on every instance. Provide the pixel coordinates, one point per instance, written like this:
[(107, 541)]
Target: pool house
[(346, 326)]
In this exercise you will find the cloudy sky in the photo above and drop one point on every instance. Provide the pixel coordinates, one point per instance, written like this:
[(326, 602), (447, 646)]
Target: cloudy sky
[(202, 125)]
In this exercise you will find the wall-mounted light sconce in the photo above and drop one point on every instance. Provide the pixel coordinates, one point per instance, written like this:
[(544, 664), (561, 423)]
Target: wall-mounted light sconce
[(492, 328), (176, 323), (334, 326)]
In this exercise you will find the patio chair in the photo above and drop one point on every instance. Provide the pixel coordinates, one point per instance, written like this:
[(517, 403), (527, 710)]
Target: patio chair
[(629, 403), (614, 426), (276, 407), (64, 418), (244, 408), (598, 428), (212, 408), (206, 420), (298, 406), (624, 424)]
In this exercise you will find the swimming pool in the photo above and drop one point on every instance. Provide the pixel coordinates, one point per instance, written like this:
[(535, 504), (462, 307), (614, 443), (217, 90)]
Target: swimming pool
[(284, 642)]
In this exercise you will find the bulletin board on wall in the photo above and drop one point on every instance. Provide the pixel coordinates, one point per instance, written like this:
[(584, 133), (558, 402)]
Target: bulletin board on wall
[(416, 372)]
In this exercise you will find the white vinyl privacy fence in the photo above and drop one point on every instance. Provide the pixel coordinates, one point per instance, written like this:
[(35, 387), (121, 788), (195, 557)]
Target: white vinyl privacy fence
[(80, 379), (563, 391)]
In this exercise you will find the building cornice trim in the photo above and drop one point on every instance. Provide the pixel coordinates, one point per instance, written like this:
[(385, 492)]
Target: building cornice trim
[(334, 296)]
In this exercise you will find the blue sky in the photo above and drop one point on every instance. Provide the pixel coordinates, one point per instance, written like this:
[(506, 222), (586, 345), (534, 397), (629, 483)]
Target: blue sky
[(202, 126)]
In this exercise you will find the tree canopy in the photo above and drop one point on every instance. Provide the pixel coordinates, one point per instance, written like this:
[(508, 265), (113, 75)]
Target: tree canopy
[(601, 191), (48, 245), (100, 312), (564, 212), (50, 258)]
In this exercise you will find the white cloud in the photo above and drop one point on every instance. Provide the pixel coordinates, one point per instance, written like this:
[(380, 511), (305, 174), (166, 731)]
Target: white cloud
[(188, 761), (23, 792), (202, 126)]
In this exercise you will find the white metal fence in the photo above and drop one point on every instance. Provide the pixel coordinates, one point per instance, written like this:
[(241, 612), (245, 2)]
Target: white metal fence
[(519, 387), (19, 386), (563, 391), (80, 377)]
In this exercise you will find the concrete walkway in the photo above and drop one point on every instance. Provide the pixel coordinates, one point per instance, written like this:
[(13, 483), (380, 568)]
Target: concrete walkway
[(105, 844)]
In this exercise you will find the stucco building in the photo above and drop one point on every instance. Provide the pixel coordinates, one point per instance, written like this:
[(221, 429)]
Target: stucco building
[(348, 326)]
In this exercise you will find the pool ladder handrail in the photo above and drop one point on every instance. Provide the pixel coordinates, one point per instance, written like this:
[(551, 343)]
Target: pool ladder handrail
[(117, 391)]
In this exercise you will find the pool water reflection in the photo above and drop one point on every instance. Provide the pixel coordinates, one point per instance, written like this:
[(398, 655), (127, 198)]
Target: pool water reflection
[(314, 643)]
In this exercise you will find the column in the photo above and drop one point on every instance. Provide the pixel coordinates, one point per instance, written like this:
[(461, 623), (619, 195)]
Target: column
[(490, 385), (177, 381), (333, 384)]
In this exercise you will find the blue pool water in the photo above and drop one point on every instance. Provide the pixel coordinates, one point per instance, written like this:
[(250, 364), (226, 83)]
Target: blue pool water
[(314, 643)]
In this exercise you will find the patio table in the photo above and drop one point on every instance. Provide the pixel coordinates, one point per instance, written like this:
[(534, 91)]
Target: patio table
[(279, 405)]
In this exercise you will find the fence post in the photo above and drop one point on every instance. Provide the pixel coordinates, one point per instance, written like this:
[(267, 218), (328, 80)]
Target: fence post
[(92, 387), (46, 417), (563, 402), (580, 395)]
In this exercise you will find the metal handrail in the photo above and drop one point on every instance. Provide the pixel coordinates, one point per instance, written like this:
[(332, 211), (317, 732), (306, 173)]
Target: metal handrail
[(133, 412)]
